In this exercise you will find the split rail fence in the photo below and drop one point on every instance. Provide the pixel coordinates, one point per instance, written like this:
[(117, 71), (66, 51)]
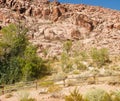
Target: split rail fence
[(77, 81)]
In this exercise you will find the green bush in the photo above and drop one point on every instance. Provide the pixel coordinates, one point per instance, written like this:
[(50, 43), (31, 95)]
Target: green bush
[(54, 88), (100, 56), (67, 46), (46, 83), (66, 62), (81, 66), (76, 72), (74, 96), (97, 95), (59, 76), (18, 58)]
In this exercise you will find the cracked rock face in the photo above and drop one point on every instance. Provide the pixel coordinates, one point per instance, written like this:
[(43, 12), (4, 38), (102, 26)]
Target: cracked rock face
[(51, 24)]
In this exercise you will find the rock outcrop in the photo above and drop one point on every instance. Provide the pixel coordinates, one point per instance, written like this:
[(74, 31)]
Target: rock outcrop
[(52, 23)]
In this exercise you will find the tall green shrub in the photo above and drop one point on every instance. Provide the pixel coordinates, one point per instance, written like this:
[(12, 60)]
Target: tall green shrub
[(18, 58)]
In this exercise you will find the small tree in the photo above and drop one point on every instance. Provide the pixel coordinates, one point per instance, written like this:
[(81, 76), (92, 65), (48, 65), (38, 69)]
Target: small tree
[(18, 58)]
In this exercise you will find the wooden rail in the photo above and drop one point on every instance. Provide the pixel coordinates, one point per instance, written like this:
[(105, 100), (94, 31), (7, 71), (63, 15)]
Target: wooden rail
[(35, 84)]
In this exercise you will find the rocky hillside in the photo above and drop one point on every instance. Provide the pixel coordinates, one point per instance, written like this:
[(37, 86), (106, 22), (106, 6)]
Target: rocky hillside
[(52, 23)]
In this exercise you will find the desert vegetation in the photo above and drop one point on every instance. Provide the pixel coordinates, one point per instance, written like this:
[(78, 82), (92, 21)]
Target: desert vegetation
[(47, 48), (24, 96), (18, 58), (93, 94)]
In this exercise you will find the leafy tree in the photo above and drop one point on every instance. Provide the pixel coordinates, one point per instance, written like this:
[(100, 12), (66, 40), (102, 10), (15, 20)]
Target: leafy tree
[(18, 58)]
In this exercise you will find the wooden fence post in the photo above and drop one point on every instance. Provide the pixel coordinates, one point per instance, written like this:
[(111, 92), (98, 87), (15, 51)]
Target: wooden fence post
[(36, 85), (94, 79), (64, 82), (3, 89)]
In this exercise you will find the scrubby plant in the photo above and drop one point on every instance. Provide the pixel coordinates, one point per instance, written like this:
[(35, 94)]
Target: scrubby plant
[(81, 66), (28, 99), (54, 88), (97, 95), (18, 58), (46, 83), (84, 55), (24, 96), (74, 96), (66, 62), (67, 46), (59, 76), (100, 56), (76, 72)]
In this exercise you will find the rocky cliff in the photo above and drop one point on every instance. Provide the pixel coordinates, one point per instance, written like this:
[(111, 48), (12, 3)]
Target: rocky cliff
[(52, 23)]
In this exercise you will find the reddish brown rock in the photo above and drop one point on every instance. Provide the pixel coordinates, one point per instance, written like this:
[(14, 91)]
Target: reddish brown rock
[(91, 25), (46, 13), (75, 34), (29, 11), (55, 14), (62, 9), (83, 21)]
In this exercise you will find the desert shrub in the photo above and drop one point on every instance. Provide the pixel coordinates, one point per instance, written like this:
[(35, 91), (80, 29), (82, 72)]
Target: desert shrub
[(68, 67), (18, 58), (115, 96), (24, 96), (59, 76), (99, 56), (84, 55), (67, 46), (46, 83), (66, 62), (54, 88), (97, 95), (28, 99), (76, 72), (74, 96), (81, 66)]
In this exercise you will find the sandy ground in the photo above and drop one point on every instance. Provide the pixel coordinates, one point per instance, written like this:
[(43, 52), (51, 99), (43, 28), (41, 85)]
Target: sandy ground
[(58, 95)]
